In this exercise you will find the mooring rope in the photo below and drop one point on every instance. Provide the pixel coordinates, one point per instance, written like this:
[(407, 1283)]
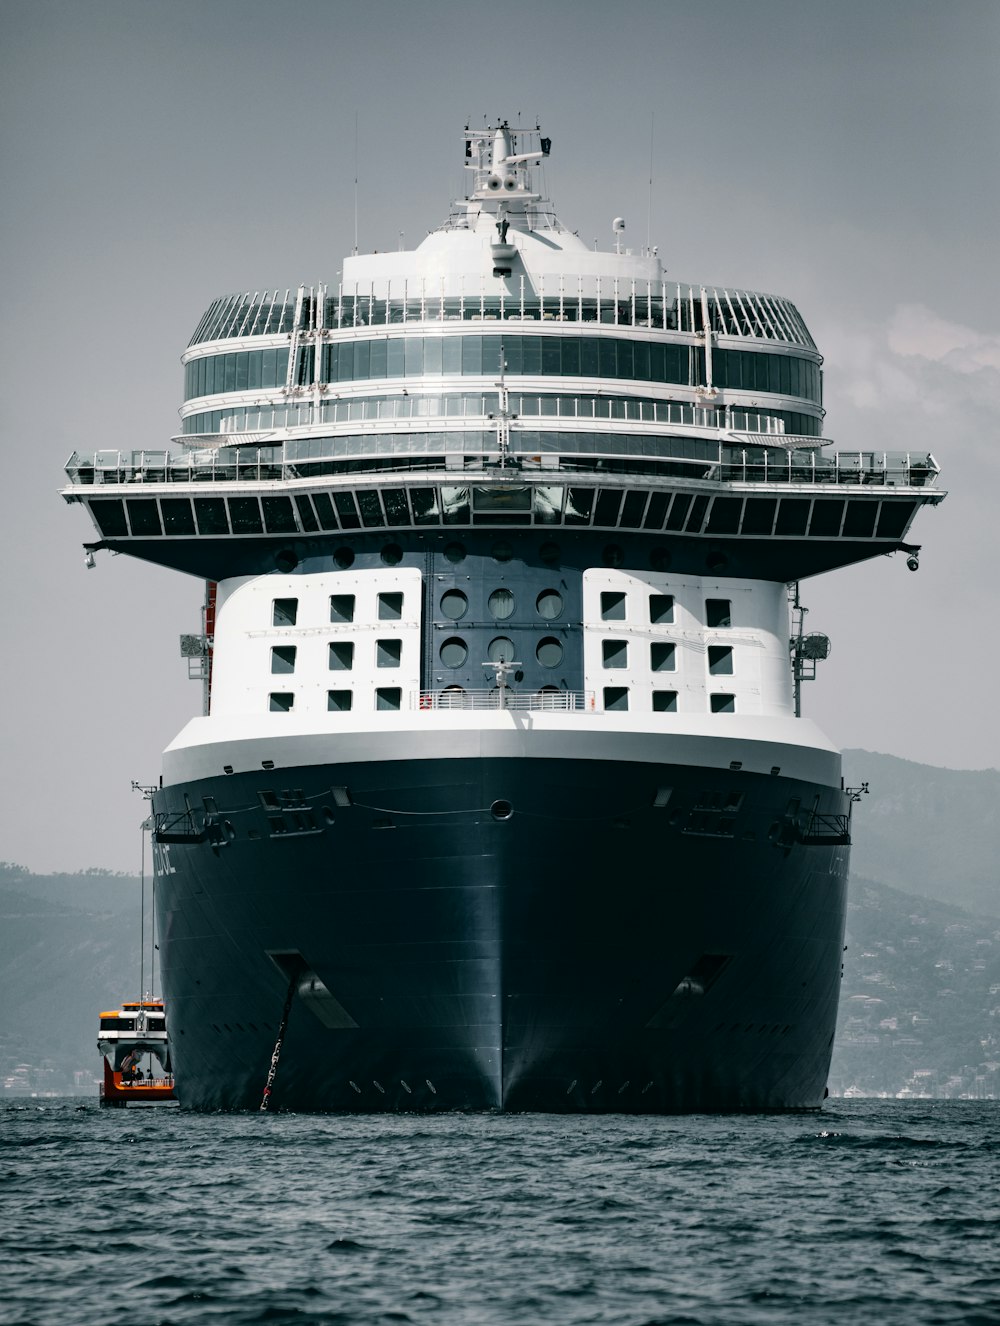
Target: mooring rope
[(276, 1055)]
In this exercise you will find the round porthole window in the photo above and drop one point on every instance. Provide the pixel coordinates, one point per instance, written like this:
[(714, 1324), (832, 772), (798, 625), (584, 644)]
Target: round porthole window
[(501, 810), (659, 559), (392, 554), (549, 652), (549, 604), (344, 558), (502, 552), (286, 561), (455, 552), (613, 555), (500, 650), (501, 603), (454, 604), (549, 553), (453, 652)]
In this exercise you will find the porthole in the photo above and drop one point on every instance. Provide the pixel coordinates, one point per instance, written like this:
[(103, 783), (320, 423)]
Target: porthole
[(455, 552), (327, 813), (453, 652), (501, 603), (454, 604), (549, 652), (286, 561), (502, 552), (613, 555), (716, 561), (344, 558), (549, 604), (500, 650), (392, 554), (659, 559), (549, 553), (501, 810)]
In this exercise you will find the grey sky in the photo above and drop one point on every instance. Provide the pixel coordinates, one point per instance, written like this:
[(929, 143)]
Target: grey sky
[(156, 155)]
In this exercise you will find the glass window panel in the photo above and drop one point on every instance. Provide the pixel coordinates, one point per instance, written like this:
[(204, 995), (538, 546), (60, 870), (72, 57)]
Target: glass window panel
[(254, 369), (283, 658), (664, 702), (472, 354), (453, 652), (143, 516), (425, 506), (242, 370), (626, 359), (632, 509), (339, 701), (500, 650), (661, 609), (893, 519), (346, 510), (362, 359), (324, 510), (570, 356), (278, 515), (390, 607), (501, 604), (371, 509), (656, 510), (724, 517), (413, 356), (590, 359), (678, 511), (718, 612), (491, 355), (395, 364), (698, 509), (859, 522), (549, 604), (281, 365), (342, 607), (793, 512), (720, 660), (578, 506), (432, 354), (451, 354), (608, 502), (341, 655), (388, 653), (210, 512), (826, 518), (663, 657), (178, 518), (455, 504), (454, 604), (758, 515), (608, 358), (723, 704), (378, 358), (549, 652), (244, 513), (394, 500), (614, 653), (281, 702), (110, 517), (284, 611), (307, 519), (531, 352), (388, 697), (615, 697), (268, 368), (551, 355), (612, 606)]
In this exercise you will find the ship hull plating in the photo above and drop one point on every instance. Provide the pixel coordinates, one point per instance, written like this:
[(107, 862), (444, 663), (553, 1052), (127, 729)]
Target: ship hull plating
[(503, 934)]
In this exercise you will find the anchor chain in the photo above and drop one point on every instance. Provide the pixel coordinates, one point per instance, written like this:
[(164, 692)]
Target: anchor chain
[(276, 1054)]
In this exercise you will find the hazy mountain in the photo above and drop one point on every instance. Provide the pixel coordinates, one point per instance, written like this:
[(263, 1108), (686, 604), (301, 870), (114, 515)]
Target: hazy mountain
[(932, 832)]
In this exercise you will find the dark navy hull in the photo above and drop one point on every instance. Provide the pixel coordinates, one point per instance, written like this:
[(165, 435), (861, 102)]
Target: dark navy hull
[(589, 952)]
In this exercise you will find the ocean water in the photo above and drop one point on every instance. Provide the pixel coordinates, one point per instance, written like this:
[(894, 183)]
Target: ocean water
[(871, 1211)]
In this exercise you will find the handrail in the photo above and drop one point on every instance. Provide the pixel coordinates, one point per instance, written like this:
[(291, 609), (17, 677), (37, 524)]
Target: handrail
[(456, 697), (731, 466)]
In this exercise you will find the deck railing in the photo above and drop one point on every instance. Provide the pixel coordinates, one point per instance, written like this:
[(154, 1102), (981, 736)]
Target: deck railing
[(546, 701)]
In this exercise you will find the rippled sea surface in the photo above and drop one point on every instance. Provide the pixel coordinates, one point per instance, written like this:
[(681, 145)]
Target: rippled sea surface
[(872, 1211)]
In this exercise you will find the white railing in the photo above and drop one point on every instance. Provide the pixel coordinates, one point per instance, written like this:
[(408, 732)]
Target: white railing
[(507, 698)]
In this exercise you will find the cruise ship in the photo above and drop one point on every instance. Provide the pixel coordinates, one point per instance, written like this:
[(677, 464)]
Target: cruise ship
[(502, 797)]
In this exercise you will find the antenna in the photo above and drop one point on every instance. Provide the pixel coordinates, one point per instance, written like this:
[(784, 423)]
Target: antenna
[(649, 206), (355, 183)]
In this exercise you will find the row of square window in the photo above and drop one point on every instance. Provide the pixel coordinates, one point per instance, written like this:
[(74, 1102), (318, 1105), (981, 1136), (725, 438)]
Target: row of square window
[(285, 612), (386, 697), (391, 698), (665, 702), (388, 654), (663, 657), (614, 608)]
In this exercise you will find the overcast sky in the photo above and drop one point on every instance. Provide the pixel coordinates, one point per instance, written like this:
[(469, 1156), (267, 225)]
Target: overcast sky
[(842, 153)]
